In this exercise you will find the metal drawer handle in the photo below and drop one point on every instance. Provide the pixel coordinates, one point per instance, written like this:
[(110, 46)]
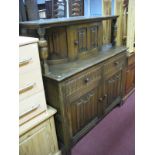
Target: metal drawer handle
[(27, 88), (24, 62), (30, 110)]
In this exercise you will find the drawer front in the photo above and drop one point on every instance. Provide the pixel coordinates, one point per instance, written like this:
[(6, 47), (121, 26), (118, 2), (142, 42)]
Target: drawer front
[(30, 83), (131, 60), (83, 82), (114, 65), (28, 58), (32, 106)]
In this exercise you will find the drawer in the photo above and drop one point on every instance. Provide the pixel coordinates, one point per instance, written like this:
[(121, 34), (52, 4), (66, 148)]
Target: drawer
[(131, 59), (83, 82), (32, 106), (30, 83), (114, 64), (28, 57)]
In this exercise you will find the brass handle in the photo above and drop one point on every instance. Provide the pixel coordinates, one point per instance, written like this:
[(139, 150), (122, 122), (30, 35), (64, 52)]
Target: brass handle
[(116, 63), (24, 62), (26, 88), (30, 110)]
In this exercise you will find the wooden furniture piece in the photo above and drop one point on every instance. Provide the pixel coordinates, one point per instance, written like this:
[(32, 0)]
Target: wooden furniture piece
[(83, 79), (22, 11), (59, 8), (76, 8), (32, 9), (130, 74), (38, 137), (31, 92), (55, 8)]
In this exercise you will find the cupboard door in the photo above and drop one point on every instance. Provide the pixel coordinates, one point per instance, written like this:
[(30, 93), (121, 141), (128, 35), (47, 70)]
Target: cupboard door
[(113, 88), (39, 141), (77, 40), (82, 111)]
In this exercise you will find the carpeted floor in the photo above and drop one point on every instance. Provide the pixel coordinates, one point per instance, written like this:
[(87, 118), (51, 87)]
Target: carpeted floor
[(114, 135)]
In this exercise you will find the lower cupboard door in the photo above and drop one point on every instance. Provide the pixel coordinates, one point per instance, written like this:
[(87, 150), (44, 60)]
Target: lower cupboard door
[(82, 111)]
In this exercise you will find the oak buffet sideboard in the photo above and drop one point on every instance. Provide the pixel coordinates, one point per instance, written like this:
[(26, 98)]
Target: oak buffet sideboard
[(84, 79)]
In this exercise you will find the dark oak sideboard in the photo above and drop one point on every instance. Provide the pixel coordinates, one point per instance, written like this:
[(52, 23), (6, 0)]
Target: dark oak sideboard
[(83, 79)]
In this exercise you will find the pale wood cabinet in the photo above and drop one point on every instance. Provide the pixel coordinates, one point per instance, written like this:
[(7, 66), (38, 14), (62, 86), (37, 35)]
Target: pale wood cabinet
[(38, 137), (31, 91)]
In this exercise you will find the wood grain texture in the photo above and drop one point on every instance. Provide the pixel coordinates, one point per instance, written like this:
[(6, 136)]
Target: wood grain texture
[(39, 141), (48, 23), (83, 99), (89, 85), (130, 74), (107, 24), (31, 92), (119, 10)]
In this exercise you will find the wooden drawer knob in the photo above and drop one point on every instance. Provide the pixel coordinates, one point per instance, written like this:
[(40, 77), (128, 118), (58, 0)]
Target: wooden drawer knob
[(100, 99), (116, 63), (87, 80), (105, 96), (76, 42)]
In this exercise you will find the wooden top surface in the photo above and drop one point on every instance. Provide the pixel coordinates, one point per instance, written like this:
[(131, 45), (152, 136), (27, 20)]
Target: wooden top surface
[(36, 121), (62, 21), (27, 40), (60, 72)]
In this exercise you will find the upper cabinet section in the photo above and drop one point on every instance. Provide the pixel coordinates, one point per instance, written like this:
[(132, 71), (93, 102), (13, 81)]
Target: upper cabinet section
[(68, 39)]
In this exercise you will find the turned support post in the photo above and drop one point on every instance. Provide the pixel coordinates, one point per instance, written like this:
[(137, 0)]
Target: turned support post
[(43, 50), (113, 31)]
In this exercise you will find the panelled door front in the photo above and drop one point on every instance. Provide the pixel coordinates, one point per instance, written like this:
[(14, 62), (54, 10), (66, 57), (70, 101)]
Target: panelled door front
[(113, 88), (83, 38), (82, 111)]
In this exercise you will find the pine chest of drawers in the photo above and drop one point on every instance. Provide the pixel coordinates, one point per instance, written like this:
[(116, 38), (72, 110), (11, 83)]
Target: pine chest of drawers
[(31, 92)]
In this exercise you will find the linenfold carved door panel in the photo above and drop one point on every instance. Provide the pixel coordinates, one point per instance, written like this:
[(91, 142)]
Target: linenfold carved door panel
[(82, 111), (113, 88)]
